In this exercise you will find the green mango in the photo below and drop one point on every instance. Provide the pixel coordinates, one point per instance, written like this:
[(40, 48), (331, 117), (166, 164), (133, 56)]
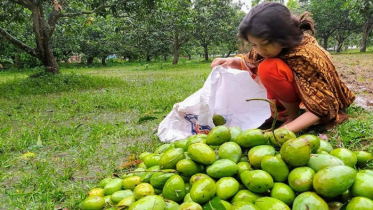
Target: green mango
[(129, 183), (217, 119), (324, 146), (126, 202), (244, 205), (143, 190), (174, 189), (363, 185), (251, 138), (245, 195), (198, 138), (188, 186), (333, 181), (222, 168), (96, 191), (320, 161), (113, 186), (108, 201), (154, 202), (142, 155), (171, 205), (301, 179), (283, 192), (197, 177), (104, 182), (141, 165), (163, 148), (282, 135), (117, 196), (218, 135), (257, 181), (146, 176), (335, 205), (182, 144), (201, 153), (346, 155), (269, 203), (159, 179), (276, 167), (235, 131), (313, 140), (296, 152), (226, 187), (257, 153), (190, 206), (188, 167), (187, 198), (92, 203), (243, 166), (203, 190), (360, 203), (151, 160), (230, 150), (362, 157), (226, 205), (170, 158), (310, 201)]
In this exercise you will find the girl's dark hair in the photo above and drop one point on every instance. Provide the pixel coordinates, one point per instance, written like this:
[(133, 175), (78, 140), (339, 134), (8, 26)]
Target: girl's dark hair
[(274, 22)]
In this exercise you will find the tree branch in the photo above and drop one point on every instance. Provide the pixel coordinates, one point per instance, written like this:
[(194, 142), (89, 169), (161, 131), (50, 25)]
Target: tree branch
[(25, 3), (17, 43), (85, 12)]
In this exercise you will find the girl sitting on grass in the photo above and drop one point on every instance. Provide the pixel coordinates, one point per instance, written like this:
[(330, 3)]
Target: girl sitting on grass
[(294, 69)]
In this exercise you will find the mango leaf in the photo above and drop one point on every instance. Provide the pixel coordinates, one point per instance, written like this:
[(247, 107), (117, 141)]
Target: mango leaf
[(214, 204)]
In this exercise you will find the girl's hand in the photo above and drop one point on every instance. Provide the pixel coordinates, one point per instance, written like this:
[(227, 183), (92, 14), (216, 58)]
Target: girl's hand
[(227, 62)]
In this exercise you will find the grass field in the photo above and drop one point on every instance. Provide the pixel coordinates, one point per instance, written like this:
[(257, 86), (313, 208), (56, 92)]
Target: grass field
[(80, 126)]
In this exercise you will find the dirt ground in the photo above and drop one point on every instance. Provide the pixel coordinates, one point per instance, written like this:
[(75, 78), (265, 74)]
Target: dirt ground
[(356, 70)]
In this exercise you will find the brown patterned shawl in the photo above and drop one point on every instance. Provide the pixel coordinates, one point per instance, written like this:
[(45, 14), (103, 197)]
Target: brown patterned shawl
[(319, 86)]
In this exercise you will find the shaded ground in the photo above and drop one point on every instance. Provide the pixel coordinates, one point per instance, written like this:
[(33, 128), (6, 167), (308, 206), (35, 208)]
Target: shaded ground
[(356, 70)]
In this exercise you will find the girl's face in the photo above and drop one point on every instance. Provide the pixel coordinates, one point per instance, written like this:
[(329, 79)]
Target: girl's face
[(264, 47)]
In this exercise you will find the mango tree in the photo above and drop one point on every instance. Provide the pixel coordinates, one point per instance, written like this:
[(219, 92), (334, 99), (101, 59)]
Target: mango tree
[(362, 12), (44, 16)]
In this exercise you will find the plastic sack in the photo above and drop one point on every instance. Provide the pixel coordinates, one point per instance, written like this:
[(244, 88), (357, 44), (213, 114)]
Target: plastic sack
[(224, 92)]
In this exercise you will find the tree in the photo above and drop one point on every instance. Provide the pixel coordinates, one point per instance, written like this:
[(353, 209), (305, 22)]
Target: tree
[(326, 14), (176, 23), (362, 11), (44, 16), (211, 21)]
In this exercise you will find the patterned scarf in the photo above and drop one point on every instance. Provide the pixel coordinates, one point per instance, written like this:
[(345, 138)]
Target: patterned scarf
[(317, 81)]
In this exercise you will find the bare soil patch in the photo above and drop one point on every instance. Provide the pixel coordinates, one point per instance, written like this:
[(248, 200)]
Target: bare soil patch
[(356, 70)]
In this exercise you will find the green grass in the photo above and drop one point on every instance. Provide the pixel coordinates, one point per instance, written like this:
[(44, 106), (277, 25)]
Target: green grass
[(85, 122)]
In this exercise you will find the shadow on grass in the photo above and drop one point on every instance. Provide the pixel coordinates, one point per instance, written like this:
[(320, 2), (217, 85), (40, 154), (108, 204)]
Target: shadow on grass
[(46, 83)]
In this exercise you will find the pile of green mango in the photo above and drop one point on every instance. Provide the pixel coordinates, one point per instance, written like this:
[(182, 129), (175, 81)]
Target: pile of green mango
[(235, 169)]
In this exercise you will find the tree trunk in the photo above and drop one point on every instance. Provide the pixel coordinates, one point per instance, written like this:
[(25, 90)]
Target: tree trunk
[(228, 54), (368, 26), (103, 60), (325, 42), (90, 60), (19, 62), (206, 50), (43, 32), (176, 48)]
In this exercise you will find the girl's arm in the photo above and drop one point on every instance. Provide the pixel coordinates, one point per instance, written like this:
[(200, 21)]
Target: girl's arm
[(302, 122)]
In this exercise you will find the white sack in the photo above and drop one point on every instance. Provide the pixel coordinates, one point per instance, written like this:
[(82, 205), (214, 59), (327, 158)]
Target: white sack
[(225, 93)]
